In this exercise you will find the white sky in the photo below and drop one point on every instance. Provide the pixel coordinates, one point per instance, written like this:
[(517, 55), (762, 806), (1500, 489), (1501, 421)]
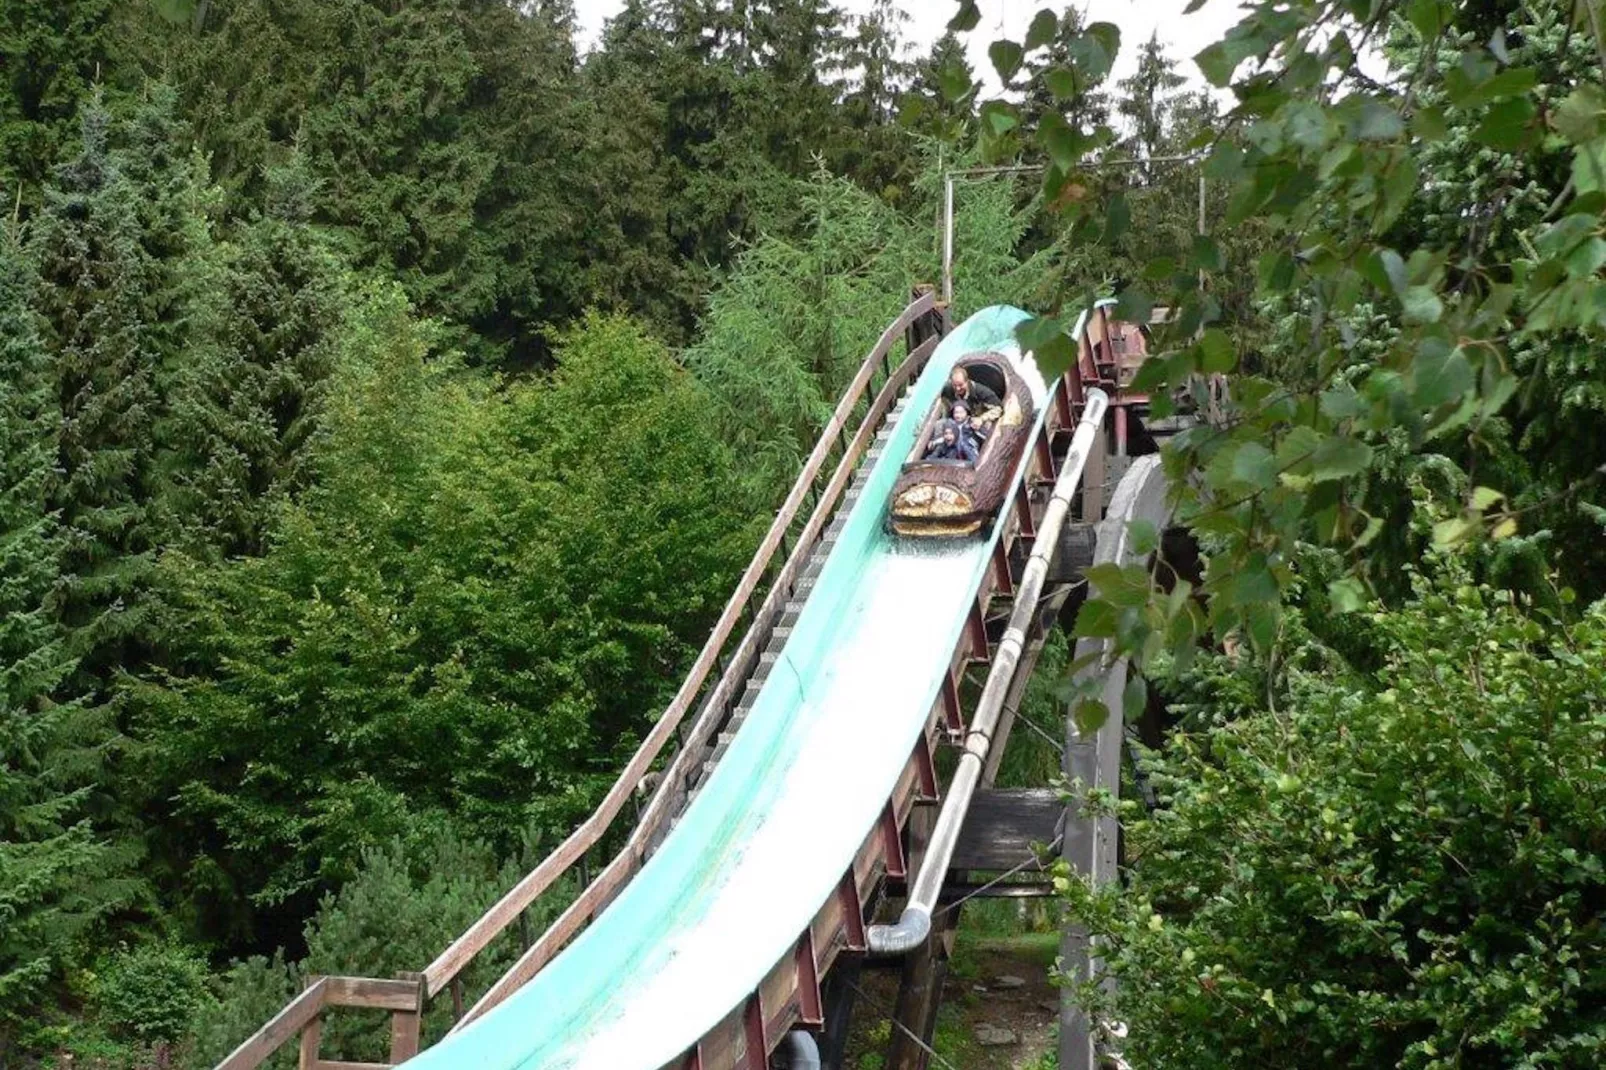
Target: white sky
[(1183, 35)]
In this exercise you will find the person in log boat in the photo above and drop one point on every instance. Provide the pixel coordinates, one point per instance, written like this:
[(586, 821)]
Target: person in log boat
[(979, 397), (952, 444), (940, 492), (968, 428)]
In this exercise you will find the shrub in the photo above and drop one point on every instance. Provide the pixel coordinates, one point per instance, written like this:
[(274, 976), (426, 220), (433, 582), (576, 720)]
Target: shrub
[(1407, 873)]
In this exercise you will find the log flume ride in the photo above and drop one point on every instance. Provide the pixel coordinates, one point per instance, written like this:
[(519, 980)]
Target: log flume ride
[(722, 897)]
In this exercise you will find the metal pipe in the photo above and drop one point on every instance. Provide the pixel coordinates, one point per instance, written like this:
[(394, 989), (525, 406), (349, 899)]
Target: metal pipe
[(800, 1050), (914, 926)]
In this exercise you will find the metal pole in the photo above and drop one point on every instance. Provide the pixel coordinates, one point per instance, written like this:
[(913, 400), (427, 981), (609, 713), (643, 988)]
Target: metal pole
[(914, 926), (948, 240)]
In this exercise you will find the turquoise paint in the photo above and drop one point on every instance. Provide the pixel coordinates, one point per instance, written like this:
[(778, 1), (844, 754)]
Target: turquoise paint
[(782, 816)]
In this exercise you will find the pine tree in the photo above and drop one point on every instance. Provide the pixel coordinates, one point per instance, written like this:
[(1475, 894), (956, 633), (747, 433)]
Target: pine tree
[(57, 878)]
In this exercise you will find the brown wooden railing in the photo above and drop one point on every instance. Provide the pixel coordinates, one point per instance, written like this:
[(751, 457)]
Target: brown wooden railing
[(711, 686)]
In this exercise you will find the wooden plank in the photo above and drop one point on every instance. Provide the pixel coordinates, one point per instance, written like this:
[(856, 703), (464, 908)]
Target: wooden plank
[(337, 1064), (311, 1038), (256, 1048), (374, 993), (406, 1027), (451, 961), (1002, 825)]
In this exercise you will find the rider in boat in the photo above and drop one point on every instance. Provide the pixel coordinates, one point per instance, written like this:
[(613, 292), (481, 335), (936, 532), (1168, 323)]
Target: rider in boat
[(951, 445)]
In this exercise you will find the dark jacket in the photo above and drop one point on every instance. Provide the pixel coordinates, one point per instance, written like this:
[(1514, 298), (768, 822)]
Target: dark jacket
[(978, 397), (961, 450)]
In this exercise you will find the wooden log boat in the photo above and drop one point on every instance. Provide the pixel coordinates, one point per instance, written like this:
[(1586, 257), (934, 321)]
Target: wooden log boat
[(935, 498)]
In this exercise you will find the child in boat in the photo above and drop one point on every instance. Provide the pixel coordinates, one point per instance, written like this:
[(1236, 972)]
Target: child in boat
[(968, 429), (951, 445)]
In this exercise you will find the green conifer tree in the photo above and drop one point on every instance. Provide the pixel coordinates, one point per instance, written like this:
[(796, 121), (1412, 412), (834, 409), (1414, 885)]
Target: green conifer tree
[(57, 876), (94, 273)]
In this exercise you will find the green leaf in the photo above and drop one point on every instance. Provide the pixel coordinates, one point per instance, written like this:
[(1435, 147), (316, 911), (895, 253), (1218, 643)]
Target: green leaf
[(1006, 56), (1061, 82), (1253, 583), (1485, 498), (1122, 586), (1045, 26), (956, 81), (1216, 354), (1142, 537), (1253, 466), (1337, 457), (1134, 306), (1421, 305), (1452, 532), (1307, 125), (966, 18), (1346, 595), (1000, 118), (1134, 698), (1206, 253), (1090, 715), (1579, 117), (1508, 83), (1055, 356), (1065, 146), (1429, 125), (1218, 62), (1095, 620), (1439, 374), (1376, 121), (1589, 166), (1508, 125), (1428, 16)]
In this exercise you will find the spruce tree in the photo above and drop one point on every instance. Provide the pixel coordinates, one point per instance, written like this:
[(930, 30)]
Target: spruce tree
[(54, 50), (56, 875), (95, 274), (242, 402)]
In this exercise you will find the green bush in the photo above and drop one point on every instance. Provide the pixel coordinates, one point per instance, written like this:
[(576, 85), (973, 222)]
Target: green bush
[(1404, 873), (151, 992)]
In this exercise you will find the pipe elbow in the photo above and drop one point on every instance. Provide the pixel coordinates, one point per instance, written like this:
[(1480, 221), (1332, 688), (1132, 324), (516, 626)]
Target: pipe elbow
[(800, 1051), (911, 930)]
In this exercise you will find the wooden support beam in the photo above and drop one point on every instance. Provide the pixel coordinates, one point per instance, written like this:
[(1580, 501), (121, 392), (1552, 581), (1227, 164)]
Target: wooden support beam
[(406, 1026), (311, 1038), (920, 997)]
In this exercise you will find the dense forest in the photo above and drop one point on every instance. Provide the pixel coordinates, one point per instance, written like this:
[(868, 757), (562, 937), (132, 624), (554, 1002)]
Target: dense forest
[(390, 395)]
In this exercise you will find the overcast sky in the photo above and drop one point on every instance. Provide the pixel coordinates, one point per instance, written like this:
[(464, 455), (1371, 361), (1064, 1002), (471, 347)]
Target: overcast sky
[(1182, 35)]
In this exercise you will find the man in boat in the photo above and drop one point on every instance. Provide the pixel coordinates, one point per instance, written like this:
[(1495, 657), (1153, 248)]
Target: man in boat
[(984, 406), (961, 387), (950, 445)]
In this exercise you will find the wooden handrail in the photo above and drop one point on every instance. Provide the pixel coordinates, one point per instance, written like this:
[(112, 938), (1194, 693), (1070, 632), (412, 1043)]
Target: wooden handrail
[(624, 864), (286, 1024), (451, 962)]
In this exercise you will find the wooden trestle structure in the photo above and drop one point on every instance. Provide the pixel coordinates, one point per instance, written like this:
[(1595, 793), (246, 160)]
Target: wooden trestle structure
[(813, 987)]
